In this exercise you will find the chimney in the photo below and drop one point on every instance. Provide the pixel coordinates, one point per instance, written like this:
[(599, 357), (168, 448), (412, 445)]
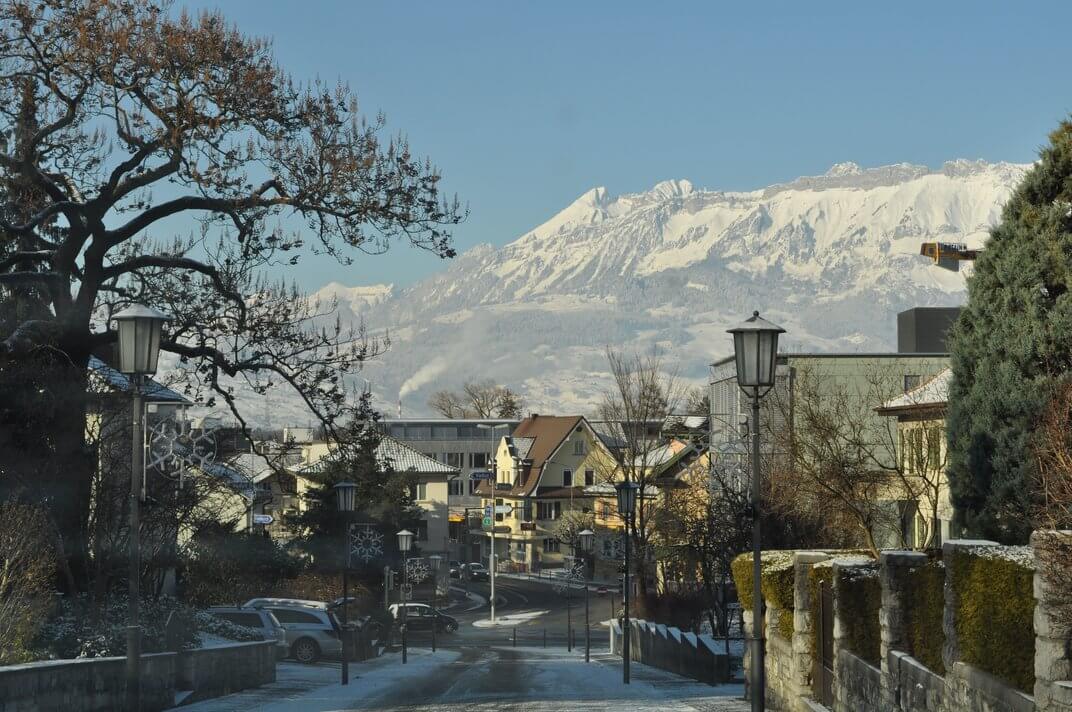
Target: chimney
[(400, 409)]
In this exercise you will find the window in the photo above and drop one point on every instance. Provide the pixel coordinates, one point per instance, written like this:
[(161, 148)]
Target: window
[(589, 478), (550, 545), (250, 620), (479, 460), (473, 484), (548, 510), (578, 447), (288, 615), (455, 459), (526, 511), (498, 514), (419, 491), (911, 382), (567, 478), (422, 531), (456, 487)]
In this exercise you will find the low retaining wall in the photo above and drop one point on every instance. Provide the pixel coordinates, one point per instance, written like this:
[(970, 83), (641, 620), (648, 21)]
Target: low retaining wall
[(669, 648), (86, 685), (221, 670), (99, 684)]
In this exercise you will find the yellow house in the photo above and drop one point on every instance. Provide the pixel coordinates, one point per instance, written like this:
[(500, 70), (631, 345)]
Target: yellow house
[(923, 459), (548, 469)]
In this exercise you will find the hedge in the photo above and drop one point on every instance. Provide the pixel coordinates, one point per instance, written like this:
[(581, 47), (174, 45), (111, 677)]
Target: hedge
[(777, 585), (859, 597), (924, 609), (995, 607)]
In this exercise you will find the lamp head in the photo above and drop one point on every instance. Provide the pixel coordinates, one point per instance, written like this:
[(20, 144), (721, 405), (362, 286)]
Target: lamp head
[(755, 348), (139, 328)]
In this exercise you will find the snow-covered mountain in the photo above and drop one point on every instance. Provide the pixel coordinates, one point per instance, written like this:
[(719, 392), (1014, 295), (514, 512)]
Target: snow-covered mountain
[(831, 258)]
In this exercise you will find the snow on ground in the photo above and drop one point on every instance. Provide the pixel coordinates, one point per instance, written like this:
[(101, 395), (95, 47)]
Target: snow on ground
[(509, 620), (482, 680)]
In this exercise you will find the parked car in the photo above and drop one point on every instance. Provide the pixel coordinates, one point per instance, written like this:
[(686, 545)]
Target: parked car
[(475, 572), (258, 619), (312, 629), (455, 569), (421, 617)]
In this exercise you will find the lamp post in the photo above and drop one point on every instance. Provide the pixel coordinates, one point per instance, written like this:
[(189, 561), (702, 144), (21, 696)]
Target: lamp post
[(345, 493), (586, 538), (405, 542), (755, 346), (435, 559), (493, 556), (138, 328), (627, 493)]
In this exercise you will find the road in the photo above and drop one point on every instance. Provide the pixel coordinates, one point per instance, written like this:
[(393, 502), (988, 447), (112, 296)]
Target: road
[(481, 679), (532, 608)]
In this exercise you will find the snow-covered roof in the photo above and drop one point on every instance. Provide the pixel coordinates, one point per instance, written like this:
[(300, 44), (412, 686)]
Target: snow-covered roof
[(402, 457), (153, 391), (521, 446), (929, 394)]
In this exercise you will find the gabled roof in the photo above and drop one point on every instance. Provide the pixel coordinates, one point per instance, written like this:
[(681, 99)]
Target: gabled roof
[(543, 434), (402, 457), (931, 394), (154, 392)]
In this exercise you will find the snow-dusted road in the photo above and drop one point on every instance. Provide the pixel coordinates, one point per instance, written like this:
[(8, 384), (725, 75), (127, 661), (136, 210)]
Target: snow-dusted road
[(481, 680)]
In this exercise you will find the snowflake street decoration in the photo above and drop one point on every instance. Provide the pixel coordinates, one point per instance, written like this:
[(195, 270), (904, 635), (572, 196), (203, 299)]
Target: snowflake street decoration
[(365, 542), (417, 570), (174, 446), (573, 574)]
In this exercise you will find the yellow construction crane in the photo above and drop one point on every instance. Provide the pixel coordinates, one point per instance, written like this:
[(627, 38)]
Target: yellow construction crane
[(948, 255)]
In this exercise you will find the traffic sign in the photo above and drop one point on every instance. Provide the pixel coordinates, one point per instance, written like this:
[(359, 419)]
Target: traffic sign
[(502, 529), (487, 521), (487, 511), (504, 508), (481, 475), (263, 519)]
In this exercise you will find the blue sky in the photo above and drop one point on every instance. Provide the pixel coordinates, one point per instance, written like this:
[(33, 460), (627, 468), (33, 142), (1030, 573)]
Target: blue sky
[(526, 105)]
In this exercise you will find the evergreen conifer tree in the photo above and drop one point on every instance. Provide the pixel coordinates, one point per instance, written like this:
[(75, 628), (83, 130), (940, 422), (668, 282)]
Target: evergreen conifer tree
[(1011, 346)]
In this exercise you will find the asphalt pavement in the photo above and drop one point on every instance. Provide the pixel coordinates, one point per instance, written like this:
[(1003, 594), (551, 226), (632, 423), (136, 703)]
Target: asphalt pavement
[(481, 679)]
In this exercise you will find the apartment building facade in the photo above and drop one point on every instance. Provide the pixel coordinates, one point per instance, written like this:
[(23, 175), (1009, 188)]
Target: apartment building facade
[(468, 445)]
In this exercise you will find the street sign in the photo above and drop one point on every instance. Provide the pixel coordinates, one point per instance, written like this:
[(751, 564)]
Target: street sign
[(481, 475), (487, 522), (504, 508), (502, 529), (263, 519), (487, 511)]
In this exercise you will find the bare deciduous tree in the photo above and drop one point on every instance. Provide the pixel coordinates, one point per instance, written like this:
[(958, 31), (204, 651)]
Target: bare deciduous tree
[(632, 411), (121, 123), (478, 399), (27, 566), (1053, 449)]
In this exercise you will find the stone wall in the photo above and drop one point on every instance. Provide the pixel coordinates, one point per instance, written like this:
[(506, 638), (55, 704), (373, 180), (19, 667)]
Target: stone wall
[(99, 684), (858, 685), (221, 670), (903, 683), (86, 685)]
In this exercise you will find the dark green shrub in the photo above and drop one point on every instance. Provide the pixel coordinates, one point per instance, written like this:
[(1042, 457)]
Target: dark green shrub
[(859, 598), (995, 606), (924, 609)]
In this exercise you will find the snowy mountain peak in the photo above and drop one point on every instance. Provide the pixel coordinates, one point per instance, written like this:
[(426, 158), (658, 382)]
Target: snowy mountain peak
[(672, 189), (847, 168), (357, 299)]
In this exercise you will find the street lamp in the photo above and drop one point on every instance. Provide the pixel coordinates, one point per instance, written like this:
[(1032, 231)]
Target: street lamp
[(492, 558), (755, 346), (435, 559), (345, 494), (405, 543), (138, 328), (586, 538), (627, 494)]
